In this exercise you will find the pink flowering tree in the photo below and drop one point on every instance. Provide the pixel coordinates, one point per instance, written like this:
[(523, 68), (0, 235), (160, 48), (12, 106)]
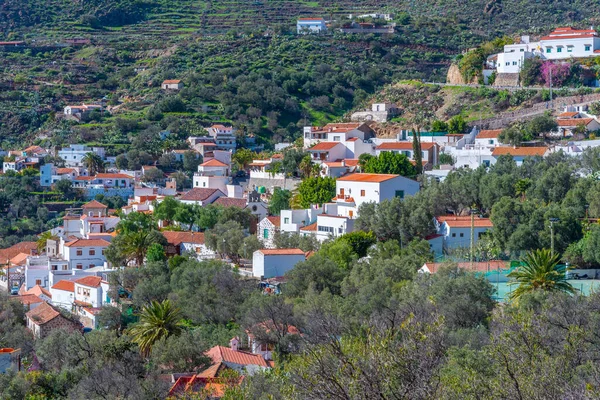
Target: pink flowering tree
[(560, 73)]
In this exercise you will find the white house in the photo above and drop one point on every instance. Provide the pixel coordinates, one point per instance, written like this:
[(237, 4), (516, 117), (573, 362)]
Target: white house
[(81, 111), (457, 230), (91, 293), (335, 169), (172, 84), (356, 137), (269, 263), (488, 138), (266, 229), (224, 137), (567, 126), (187, 242), (84, 253), (293, 220), (429, 151), (519, 154), (327, 151), (16, 165), (329, 225), (356, 189), (63, 294), (310, 25), (75, 153)]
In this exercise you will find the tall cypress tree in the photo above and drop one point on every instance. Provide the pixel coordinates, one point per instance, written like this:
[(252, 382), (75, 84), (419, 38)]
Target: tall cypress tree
[(417, 151)]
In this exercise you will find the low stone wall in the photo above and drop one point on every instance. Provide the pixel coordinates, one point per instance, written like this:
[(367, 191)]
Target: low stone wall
[(506, 79), (289, 183)]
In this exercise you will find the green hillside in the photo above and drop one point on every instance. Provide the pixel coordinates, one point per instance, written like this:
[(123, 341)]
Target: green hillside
[(240, 61)]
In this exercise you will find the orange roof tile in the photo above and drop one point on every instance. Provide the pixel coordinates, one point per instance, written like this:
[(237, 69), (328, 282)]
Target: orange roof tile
[(568, 114), (88, 243), (19, 259), (465, 222), (351, 162), (281, 252), (171, 81), (67, 286), (91, 281), (93, 204), (489, 134), (213, 163), (28, 299), (199, 194), (574, 121), (480, 266), (520, 151), (377, 178), (275, 220), (113, 176), (309, 228), (231, 202), (324, 146), (12, 251), (61, 171), (225, 354), (37, 290), (42, 314), (176, 238)]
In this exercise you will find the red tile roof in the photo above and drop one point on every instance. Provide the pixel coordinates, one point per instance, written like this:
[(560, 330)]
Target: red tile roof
[(465, 222), (275, 220), (377, 178), (351, 162), (28, 299), (113, 176), (220, 354), (88, 243), (341, 127), (176, 238), (93, 204), (280, 252), (67, 286), (309, 228), (520, 151), (574, 121), (199, 194), (12, 251), (324, 146), (171, 81), (404, 146), (37, 290), (213, 163), (231, 202), (61, 171), (42, 314), (489, 134), (91, 281), (19, 259), (569, 114)]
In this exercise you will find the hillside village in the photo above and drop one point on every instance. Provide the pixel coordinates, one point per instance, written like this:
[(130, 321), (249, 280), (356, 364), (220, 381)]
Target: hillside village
[(200, 259)]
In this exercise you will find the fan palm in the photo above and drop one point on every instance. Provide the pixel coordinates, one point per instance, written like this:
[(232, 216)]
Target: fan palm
[(540, 271), (93, 162), (157, 321)]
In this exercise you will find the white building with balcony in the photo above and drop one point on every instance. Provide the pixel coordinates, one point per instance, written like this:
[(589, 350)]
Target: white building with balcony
[(310, 25), (75, 153), (224, 137)]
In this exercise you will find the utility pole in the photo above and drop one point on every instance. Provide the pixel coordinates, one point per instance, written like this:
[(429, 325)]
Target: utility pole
[(472, 236)]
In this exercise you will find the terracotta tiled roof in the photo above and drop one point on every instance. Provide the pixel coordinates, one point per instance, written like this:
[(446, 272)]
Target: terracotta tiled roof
[(88, 243), (220, 354), (37, 290), (520, 151), (199, 194), (324, 146), (568, 114), (310, 19), (42, 314), (574, 121), (480, 266), (91, 281), (113, 176), (377, 178), (309, 228), (62, 171), (171, 81), (176, 238), (489, 134), (93, 204), (341, 127), (465, 222), (231, 202), (28, 299), (280, 252), (84, 178), (334, 164), (34, 149), (213, 163), (12, 251), (67, 286), (275, 220), (351, 162), (404, 146), (19, 259), (569, 37)]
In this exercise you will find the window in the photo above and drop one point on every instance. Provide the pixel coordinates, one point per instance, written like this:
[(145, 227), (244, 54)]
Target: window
[(79, 252), (588, 47), (340, 230), (462, 235), (400, 193), (454, 235), (79, 266), (362, 193), (196, 183), (569, 49), (38, 281), (336, 138), (203, 184), (78, 290), (102, 251), (491, 141), (92, 266), (559, 49), (65, 267), (265, 233), (86, 292), (521, 50), (92, 252), (286, 220), (548, 49), (507, 63), (514, 63), (327, 229)]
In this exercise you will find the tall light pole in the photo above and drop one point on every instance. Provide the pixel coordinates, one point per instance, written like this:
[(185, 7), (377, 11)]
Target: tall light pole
[(552, 221)]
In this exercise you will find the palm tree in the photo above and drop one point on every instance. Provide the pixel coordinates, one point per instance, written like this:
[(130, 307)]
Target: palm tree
[(157, 321), (540, 271), (41, 242), (93, 162)]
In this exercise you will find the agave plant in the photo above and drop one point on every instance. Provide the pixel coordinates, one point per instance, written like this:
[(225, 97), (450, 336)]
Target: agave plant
[(540, 271)]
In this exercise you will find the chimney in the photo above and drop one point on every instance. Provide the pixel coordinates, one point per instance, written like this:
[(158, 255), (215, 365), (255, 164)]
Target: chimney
[(234, 343)]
